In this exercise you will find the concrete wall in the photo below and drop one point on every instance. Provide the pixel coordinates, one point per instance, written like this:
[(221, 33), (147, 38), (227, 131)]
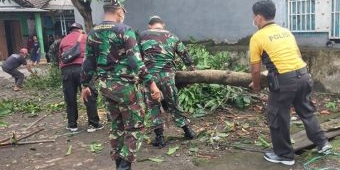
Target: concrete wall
[(312, 39), (220, 20)]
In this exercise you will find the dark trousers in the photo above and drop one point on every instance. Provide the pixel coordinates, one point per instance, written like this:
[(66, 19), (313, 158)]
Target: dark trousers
[(294, 91), (71, 85), (18, 76)]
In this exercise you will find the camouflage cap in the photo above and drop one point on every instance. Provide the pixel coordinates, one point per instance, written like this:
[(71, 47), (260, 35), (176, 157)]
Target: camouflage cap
[(155, 19), (114, 4)]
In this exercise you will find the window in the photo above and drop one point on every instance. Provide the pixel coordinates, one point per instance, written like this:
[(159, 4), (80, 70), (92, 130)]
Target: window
[(335, 33), (301, 15)]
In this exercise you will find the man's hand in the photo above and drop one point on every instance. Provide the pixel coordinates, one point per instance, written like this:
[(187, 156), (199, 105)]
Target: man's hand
[(255, 87), (85, 93), (155, 92)]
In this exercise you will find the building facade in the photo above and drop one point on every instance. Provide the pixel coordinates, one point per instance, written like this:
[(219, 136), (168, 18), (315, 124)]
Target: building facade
[(21, 19), (313, 22)]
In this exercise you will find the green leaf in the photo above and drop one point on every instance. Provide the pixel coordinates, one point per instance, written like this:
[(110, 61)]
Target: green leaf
[(222, 135), (172, 150), (3, 124), (96, 147), (69, 151), (157, 160), (193, 149)]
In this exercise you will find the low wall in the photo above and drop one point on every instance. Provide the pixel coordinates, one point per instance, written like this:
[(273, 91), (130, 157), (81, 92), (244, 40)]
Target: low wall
[(323, 64)]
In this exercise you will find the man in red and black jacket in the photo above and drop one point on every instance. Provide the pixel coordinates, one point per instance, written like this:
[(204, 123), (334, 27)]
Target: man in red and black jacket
[(71, 82)]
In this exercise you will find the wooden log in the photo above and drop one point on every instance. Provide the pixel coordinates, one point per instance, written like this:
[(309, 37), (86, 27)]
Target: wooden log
[(217, 77), (301, 140)]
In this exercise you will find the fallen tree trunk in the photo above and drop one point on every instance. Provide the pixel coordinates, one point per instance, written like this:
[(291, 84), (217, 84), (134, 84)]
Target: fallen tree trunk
[(217, 77), (331, 128)]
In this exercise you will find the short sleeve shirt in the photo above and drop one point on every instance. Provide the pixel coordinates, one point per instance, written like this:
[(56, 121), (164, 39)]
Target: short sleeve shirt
[(276, 48), (14, 61)]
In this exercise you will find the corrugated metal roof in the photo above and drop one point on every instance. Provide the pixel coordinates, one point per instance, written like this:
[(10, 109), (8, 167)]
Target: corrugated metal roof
[(22, 10), (60, 5), (33, 3)]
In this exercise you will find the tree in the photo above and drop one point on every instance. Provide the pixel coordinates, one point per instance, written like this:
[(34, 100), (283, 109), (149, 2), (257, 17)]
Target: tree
[(217, 77), (84, 8)]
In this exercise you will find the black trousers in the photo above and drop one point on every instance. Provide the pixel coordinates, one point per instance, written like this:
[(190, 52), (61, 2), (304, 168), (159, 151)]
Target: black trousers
[(71, 85), (18, 76), (294, 91)]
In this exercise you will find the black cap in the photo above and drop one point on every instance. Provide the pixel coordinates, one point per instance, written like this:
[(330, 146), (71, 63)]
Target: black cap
[(155, 19), (76, 26), (115, 4)]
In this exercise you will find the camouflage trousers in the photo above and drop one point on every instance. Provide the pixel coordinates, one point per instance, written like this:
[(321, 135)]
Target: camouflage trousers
[(127, 109), (166, 83)]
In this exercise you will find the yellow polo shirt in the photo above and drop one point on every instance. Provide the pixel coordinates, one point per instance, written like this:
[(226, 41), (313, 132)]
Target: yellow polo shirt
[(276, 48)]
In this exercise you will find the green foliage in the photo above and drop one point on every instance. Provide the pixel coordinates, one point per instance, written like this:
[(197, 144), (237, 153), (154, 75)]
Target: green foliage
[(96, 147), (199, 98), (8, 107), (14, 106), (50, 79), (261, 141), (332, 105)]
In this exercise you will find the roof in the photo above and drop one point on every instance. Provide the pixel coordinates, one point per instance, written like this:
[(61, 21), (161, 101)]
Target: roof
[(60, 5), (9, 9), (32, 3)]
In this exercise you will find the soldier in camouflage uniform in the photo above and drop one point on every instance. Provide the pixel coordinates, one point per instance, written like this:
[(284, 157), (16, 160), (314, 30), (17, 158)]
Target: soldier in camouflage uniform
[(53, 51), (159, 48), (113, 55)]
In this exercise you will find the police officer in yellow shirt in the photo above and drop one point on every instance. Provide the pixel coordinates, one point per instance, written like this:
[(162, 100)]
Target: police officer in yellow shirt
[(289, 84)]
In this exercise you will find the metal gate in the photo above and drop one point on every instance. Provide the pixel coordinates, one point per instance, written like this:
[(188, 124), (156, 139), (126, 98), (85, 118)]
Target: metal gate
[(335, 32)]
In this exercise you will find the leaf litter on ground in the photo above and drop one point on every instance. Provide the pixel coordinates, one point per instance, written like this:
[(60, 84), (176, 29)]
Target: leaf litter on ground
[(96, 147)]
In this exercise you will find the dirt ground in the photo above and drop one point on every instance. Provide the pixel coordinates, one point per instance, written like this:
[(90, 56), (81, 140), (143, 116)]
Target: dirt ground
[(195, 154)]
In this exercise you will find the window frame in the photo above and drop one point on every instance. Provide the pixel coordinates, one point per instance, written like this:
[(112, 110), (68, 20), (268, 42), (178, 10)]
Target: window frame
[(305, 13)]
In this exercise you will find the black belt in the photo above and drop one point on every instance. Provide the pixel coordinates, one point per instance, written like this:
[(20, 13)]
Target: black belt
[(295, 73)]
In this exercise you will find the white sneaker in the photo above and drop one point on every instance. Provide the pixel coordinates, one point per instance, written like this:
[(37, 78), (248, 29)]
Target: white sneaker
[(92, 128), (325, 148), (72, 129)]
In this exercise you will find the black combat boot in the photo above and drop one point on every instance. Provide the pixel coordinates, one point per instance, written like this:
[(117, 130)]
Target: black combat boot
[(124, 165), (118, 162), (188, 132), (159, 139)]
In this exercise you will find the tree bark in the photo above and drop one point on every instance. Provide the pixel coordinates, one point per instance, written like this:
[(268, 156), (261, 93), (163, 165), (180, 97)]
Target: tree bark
[(85, 11), (216, 77)]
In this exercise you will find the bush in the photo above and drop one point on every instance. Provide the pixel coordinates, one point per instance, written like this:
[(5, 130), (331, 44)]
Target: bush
[(199, 98), (48, 79)]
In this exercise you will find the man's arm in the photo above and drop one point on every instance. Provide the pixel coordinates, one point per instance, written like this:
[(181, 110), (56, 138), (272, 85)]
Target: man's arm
[(182, 52), (29, 69), (255, 74), (89, 65), (136, 63), (255, 60), (88, 68)]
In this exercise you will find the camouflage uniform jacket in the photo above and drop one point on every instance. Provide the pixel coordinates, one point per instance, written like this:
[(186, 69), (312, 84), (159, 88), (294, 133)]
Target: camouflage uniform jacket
[(112, 53), (159, 48), (53, 51)]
